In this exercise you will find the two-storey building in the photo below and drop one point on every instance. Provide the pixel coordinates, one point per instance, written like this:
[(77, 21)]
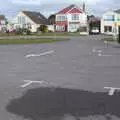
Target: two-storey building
[(110, 22), (28, 19), (70, 19)]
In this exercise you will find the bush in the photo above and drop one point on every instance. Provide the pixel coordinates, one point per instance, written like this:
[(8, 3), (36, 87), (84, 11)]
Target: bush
[(50, 31), (19, 31), (43, 28), (24, 31)]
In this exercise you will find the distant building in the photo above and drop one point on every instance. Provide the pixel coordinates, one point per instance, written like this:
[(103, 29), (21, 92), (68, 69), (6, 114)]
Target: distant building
[(28, 19), (3, 22), (70, 19), (110, 22)]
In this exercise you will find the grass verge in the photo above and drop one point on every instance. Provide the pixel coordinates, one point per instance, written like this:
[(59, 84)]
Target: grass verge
[(31, 41), (60, 34)]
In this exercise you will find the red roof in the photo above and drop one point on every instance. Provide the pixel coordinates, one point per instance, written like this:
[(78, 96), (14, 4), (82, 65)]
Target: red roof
[(70, 9), (75, 10)]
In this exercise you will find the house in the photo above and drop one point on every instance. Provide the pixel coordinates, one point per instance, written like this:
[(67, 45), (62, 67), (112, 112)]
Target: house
[(70, 19), (3, 22), (28, 19), (110, 22)]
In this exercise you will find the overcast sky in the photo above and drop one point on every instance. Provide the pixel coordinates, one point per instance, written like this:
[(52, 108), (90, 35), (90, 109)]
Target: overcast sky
[(47, 7)]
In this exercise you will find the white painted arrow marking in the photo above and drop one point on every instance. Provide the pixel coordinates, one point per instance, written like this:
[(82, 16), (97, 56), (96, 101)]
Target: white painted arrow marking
[(38, 55), (112, 90)]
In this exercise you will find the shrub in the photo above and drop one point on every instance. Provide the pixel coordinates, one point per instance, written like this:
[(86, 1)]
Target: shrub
[(23, 31), (19, 31), (43, 28)]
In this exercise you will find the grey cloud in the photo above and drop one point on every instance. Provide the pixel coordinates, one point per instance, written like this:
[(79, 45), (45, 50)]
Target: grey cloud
[(10, 9)]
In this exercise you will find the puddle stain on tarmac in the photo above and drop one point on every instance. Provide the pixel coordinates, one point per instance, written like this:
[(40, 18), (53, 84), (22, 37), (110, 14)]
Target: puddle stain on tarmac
[(44, 104)]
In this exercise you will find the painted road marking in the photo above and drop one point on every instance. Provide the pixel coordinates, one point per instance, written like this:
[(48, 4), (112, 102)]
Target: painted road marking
[(106, 42), (104, 55), (29, 82), (99, 51), (41, 54), (112, 90), (93, 50)]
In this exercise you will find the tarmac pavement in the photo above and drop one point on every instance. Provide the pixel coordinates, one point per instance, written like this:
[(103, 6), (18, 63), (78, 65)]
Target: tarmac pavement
[(67, 83)]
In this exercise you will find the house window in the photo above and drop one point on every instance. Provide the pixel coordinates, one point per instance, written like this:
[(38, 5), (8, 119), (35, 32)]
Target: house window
[(29, 26), (74, 26), (61, 18), (118, 18), (75, 17), (60, 28), (108, 29), (109, 18), (21, 20)]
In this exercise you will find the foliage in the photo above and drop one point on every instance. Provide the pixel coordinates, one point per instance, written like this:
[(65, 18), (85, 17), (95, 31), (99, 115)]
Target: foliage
[(43, 28), (52, 19), (19, 31), (25, 31), (4, 18)]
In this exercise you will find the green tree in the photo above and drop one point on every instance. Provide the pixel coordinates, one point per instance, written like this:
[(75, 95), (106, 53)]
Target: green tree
[(51, 19)]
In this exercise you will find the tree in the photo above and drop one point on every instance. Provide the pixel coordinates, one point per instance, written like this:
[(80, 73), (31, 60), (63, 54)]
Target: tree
[(93, 22), (3, 17), (52, 19)]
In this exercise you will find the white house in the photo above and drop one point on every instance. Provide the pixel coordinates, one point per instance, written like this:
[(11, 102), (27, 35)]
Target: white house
[(28, 19), (70, 19), (110, 22)]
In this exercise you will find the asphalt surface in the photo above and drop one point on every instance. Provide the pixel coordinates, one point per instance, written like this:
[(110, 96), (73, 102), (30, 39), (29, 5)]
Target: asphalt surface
[(75, 75)]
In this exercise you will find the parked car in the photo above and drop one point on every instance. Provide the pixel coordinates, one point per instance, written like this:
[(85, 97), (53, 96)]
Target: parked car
[(94, 30), (12, 31)]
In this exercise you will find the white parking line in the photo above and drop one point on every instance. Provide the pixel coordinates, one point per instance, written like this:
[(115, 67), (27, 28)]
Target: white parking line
[(106, 42), (29, 82), (104, 55), (41, 54), (112, 90)]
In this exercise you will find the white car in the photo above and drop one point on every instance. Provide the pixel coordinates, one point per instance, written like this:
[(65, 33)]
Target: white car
[(95, 30)]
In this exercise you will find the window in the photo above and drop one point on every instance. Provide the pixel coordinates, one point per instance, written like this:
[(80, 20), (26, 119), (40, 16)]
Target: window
[(21, 20), (74, 26), (61, 18), (118, 18), (75, 17), (109, 18), (108, 29), (60, 28)]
